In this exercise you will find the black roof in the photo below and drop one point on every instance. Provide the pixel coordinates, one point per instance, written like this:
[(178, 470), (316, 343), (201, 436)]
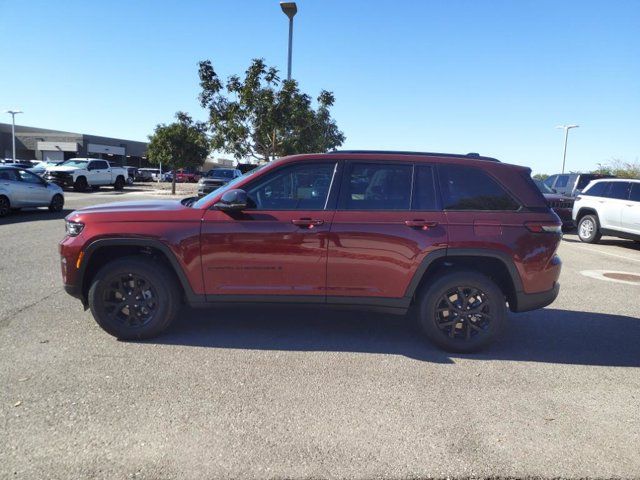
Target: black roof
[(474, 156)]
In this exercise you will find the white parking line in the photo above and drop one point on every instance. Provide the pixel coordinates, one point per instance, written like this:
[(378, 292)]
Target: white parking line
[(585, 247)]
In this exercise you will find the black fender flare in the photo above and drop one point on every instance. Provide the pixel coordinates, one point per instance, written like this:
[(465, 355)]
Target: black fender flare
[(93, 247), (463, 252)]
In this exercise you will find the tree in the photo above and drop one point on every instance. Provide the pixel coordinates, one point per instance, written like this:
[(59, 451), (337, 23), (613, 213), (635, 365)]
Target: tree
[(264, 118), (541, 176), (180, 144), (620, 169)]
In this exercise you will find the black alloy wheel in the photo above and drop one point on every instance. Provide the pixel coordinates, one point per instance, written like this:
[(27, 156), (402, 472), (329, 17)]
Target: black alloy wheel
[(130, 299), (134, 297), (462, 311)]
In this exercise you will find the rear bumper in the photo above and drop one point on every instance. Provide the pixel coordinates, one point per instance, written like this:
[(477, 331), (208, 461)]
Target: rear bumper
[(525, 302), (73, 290)]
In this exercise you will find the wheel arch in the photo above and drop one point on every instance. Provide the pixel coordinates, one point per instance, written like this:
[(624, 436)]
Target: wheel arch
[(584, 211), (498, 266), (99, 252)]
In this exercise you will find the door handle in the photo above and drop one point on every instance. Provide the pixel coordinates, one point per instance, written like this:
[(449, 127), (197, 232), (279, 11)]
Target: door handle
[(423, 224), (307, 222)]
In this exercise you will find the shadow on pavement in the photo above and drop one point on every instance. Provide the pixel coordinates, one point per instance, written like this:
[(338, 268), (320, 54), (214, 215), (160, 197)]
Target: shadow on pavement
[(549, 335), (34, 214)]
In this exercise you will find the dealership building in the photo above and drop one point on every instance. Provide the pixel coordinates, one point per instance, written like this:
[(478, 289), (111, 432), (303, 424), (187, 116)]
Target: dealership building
[(44, 144)]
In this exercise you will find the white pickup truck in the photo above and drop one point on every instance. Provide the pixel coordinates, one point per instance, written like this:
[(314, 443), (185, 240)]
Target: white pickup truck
[(82, 173)]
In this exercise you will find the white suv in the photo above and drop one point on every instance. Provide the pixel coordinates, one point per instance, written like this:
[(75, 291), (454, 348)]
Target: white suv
[(608, 207)]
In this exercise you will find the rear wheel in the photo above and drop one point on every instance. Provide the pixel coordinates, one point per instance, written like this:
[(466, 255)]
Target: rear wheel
[(463, 311), (5, 206), (589, 229), (119, 184), (80, 185), (57, 203), (134, 298)]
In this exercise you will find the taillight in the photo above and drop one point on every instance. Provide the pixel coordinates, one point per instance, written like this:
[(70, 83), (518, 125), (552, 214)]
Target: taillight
[(537, 227)]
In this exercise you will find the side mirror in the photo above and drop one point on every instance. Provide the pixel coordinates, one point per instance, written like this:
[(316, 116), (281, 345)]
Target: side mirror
[(233, 200)]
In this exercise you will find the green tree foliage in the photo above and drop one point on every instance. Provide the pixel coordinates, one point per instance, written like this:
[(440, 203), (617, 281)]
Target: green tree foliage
[(619, 169), (181, 144), (541, 176), (263, 117)]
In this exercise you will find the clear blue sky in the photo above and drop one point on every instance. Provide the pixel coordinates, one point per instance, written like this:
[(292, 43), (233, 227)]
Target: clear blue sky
[(493, 77)]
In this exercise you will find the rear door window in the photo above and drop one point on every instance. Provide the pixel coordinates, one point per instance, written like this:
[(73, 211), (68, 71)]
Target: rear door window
[(469, 188), (619, 190), (377, 186), (635, 192)]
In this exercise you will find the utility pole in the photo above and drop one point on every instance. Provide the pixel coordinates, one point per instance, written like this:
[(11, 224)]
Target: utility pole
[(13, 114), (566, 129), (290, 9)]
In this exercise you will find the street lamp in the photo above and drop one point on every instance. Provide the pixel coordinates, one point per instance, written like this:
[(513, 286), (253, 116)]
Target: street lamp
[(13, 114), (566, 129), (290, 9)]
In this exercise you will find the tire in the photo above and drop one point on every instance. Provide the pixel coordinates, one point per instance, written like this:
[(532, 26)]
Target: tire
[(122, 282), (468, 332), (57, 203), (80, 185), (589, 229), (119, 185), (5, 206)]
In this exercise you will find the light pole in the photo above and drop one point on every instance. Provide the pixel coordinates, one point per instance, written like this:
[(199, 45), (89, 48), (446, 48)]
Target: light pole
[(13, 129), (290, 9), (566, 129)]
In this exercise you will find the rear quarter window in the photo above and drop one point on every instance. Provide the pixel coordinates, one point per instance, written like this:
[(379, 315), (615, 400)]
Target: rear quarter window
[(469, 188)]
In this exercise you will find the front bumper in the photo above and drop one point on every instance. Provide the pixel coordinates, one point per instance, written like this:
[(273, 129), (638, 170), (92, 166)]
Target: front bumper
[(60, 180)]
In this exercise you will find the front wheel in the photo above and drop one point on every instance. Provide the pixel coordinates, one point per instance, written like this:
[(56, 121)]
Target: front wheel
[(134, 298), (462, 311), (589, 229), (57, 203), (81, 184)]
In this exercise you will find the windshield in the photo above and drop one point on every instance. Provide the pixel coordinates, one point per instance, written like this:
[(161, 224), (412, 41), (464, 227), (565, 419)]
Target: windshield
[(200, 203), (75, 163), (220, 173), (543, 187)]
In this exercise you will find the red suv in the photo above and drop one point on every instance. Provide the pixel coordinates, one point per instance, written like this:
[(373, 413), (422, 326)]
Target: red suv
[(454, 238)]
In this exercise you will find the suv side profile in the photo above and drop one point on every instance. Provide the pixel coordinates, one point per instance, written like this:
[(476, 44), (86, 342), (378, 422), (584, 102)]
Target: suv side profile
[(608, 207), (453, 238)]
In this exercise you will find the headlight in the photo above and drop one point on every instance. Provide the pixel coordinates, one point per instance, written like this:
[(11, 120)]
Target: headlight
[(73, 228)]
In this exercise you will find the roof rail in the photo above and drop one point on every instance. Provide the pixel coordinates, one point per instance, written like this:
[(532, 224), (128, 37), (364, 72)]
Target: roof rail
[(473, 155)]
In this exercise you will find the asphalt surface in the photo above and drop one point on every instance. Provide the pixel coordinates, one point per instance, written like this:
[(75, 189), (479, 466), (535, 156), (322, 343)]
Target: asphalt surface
[(299, 392)]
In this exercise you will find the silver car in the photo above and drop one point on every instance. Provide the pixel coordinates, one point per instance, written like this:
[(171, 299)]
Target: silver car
[(19, 188)]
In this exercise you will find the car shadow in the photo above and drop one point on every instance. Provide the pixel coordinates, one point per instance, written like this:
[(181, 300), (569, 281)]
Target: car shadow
[(33, 214), (548, 335)]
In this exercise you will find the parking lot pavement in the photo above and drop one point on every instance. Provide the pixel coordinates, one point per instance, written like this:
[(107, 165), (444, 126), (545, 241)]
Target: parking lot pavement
[(298, 392)]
